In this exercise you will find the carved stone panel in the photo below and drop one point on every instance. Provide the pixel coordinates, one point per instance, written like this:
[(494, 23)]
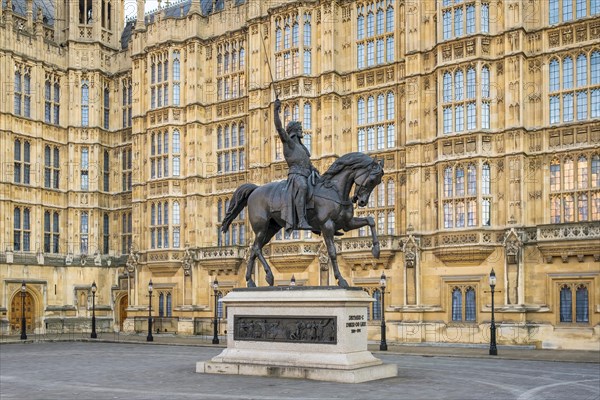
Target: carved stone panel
[(322, 330)]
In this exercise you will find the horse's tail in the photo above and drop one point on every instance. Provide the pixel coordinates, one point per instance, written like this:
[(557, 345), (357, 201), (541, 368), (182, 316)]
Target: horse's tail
[(238, 202)]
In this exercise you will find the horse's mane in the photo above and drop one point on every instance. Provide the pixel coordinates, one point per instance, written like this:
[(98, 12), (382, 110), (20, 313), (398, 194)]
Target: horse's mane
[(347, 161)]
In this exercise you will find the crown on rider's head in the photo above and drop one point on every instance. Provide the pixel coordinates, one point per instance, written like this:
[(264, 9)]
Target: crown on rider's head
[(293, 128)]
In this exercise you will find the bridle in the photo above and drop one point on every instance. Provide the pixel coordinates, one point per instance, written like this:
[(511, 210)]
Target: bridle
[(362, 185)]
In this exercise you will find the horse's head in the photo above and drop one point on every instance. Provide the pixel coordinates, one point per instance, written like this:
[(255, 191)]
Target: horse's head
[(365, 181)]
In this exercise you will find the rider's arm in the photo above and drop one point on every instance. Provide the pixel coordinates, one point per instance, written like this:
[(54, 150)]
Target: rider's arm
[(282, 132)]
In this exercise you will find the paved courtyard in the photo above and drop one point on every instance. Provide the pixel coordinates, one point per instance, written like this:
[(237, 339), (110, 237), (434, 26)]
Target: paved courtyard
[(81, 370)]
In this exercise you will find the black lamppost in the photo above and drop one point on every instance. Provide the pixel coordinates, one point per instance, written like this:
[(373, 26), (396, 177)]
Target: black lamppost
[(149, 338), (23, 323), (215, 286), (493, 349), (94, 336), (383, 284)]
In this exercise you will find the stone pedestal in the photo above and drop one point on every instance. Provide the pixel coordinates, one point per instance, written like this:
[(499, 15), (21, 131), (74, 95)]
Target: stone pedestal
[(315, 333)]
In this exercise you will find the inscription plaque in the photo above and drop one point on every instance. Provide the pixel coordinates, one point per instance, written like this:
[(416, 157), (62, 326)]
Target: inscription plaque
[(318, 330)]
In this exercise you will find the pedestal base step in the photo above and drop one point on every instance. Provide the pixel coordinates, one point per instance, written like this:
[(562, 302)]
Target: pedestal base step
[(357, 375)]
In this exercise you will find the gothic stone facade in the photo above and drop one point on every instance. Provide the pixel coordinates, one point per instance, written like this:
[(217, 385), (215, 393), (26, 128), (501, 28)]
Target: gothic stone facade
[(122, 142)]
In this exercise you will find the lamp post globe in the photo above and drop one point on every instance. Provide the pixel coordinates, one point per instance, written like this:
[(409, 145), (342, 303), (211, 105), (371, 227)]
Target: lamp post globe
[(383, 285), (150, 338), (493, 348), (94, 288), (23, 323), (215, 286)]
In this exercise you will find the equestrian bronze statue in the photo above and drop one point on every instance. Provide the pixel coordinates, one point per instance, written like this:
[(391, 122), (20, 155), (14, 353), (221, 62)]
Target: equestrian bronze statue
[(325, 209)]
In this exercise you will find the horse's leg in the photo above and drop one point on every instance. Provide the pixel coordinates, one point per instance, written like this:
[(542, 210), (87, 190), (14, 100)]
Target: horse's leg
[(265, 238), (250, 267), (359, 222), (328, 230)]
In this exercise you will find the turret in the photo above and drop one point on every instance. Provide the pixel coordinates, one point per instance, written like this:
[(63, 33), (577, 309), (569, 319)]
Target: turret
[(139, 23)]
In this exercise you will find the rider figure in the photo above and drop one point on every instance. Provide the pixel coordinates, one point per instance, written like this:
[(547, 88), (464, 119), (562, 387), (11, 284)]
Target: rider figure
[(300, 170)]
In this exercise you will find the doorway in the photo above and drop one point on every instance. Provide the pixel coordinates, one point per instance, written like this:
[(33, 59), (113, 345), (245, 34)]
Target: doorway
[(123, 303), (16, 311)]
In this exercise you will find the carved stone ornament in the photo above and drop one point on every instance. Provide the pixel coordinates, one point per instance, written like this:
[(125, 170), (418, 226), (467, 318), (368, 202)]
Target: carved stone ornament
[(187, 262), (132, 260), (410, 250), (512, 245)]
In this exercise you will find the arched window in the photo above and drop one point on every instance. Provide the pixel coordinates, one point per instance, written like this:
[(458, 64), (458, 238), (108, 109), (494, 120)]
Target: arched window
[(582, 70), (380, 107), (458, 85), (390, 19), (485, 82), (278, 39), (448, 182), (391, 223), (470, 308), (85, 103), (460, 181), (370, 24), (582, 173), (361, 111), (169, 305), (370, 110), (568, 174), (471, 180), (554, 75), (360, 27), (555, 175), (567, 73), (161, 305), (390, 106), (242, 133), (242, 58), (219, 305), (566, 306), (295, 30), (307, 116), (391, 193), (595, 65), (456, 304), (377, 305), (581, 304), (447, 87), (595, 171), (485, 179), (471, 83)]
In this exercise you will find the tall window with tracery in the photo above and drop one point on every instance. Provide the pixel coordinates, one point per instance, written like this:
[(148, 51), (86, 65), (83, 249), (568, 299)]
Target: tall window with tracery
[(22, 161), (458, 18), (85, 102), (231, 147), (52, 99), (293, 46), (126, 232), (236, 235), (84, 170), (376, 122), (51, 232), (106, 106), (461, 99), (22, 229), (126, 169), (159, 80), (51, 166), (105, 233), (231, 69), (159, 225), (463, 304), (578, 308), (375, 26), (159, 154), (84, 231), (126, 91), (176, 77), (467, 197), (560, 11), (381, 207), (22, 91), (575, 188), (574, 87)]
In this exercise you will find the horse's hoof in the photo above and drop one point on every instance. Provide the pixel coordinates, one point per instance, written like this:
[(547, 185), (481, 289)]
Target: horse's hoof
[(250, 283), (342, 283), (375, 251), (270, 279)]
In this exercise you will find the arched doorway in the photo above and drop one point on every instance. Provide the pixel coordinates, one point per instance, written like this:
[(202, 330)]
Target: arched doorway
[(16, 311), (123, 303)]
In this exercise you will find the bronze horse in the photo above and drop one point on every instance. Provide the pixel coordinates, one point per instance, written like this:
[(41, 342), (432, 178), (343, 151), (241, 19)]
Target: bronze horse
[(333, 210)]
